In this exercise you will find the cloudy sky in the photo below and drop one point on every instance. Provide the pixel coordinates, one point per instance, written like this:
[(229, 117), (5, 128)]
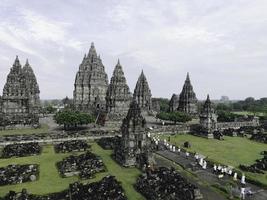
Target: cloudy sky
[(222, 43)]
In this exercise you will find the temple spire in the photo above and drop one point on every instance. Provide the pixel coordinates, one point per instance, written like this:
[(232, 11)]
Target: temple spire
[(92, 51), (187, 77), (16, 60), (208, 98), (27, 62), (208, 119), (142, 93), (207, 105), (187, 98), (118, 94)]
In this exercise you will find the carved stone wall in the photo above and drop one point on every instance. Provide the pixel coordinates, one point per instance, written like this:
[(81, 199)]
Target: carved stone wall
[(91, 83), (20, 100), (118, 94), (187, 98), (134, 149), (142, 93)]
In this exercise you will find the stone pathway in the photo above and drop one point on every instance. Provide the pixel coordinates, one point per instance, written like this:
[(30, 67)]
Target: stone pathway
[(206, 191), (208, 176)]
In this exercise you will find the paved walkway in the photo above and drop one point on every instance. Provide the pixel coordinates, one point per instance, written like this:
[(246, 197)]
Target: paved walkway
[(55, 140), (208, 175)]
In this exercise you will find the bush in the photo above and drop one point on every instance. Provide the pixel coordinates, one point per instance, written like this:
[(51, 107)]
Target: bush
[(174, 116), (72, 119)]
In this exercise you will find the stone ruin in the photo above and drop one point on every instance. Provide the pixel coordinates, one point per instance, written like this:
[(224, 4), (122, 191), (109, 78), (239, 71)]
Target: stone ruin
[(118, 94), (174, 103), (85, 165), (93, 94), (164, 183), (21, 150), (108, 143), (210, 128), (16, 174), (185, 102), (259, 167), (142, 94), (20, 102), (134, 148), (91, 84), (187, 98), (208, 119), (72, 145), (106, 189), (259, 137)]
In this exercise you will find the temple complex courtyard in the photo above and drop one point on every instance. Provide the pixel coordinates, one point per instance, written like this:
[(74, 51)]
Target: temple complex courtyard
[(50, 180)]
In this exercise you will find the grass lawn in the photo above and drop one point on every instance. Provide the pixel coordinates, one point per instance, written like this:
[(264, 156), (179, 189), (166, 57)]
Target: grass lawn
[(127, 176), (231, 151), (43, 129), (50, 180)]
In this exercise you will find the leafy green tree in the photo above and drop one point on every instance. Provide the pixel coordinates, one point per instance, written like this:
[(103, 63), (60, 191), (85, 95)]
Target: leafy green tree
[(174, 116), (224, 106), (50, 109), (70, 119), (226, 116)]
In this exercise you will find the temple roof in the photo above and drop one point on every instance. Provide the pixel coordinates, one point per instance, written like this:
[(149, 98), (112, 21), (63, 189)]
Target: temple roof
[(188, 93), (118, 88), (142, 87), (134, 114), (92, 51), (207, 107)]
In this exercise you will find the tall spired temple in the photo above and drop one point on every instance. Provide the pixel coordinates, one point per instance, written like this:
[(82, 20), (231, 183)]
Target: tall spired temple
[(20, 100), (134, 149), (187, 98), (208, 119), (142, 93), (91, 83), (118, 94)]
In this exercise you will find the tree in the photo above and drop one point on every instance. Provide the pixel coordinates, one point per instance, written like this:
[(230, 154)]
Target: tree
[(174, 116), (224, 106), (50, 109), (180, 117), (70, 119), (226, 116)]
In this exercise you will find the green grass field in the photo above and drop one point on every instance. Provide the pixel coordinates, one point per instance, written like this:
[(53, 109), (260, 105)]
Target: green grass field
[(231, 151), (50, 180), (43, 129)]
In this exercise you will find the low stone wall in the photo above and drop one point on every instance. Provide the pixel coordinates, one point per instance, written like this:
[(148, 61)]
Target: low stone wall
[(18, 126), (171, 129), (236, 125), (53, 140)]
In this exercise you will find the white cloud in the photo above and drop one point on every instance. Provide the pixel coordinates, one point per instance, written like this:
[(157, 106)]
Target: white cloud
[(43, 29), (213, 39)]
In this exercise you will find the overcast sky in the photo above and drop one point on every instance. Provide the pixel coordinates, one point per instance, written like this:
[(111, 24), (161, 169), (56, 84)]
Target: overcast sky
[(221, 43)]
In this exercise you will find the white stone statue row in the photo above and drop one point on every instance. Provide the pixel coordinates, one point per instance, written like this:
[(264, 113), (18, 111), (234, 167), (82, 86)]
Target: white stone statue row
[(201, 161)]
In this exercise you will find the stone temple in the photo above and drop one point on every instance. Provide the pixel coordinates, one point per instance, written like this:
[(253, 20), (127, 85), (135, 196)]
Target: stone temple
[(208, 119), (118, 94), (187, 98), (142, 93), (134, 148), (174, 103), (91, 84), (20, 100)]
